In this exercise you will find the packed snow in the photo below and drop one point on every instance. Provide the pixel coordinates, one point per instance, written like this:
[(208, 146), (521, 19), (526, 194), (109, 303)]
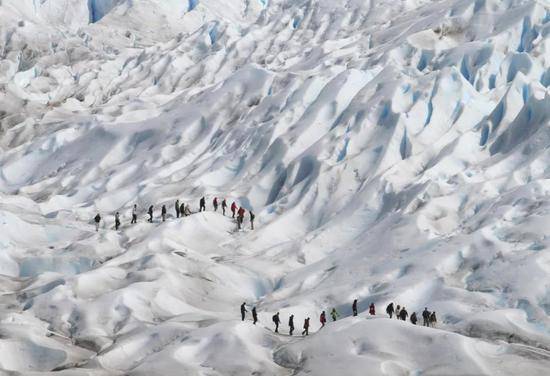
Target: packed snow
[(392, 151)]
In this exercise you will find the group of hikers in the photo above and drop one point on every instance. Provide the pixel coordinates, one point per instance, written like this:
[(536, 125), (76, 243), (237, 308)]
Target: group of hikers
[(400, 313), (183, 210), (428, 318)]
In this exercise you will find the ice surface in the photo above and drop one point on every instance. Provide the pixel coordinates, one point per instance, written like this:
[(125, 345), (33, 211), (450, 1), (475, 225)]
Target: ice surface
[(391, 150)]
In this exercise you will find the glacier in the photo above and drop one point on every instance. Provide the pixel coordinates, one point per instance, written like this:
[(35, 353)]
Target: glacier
[(393, 151)]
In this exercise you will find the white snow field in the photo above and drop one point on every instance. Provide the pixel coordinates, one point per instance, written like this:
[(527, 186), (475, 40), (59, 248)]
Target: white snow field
[(392, 150)]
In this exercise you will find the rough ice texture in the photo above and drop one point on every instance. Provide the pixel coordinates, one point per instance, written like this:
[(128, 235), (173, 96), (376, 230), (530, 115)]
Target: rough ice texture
[(393, 150)]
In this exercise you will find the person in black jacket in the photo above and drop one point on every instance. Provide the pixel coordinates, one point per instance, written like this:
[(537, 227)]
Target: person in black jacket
[(354, 307), (134, 214), (202, 204), (276, 321), (117, 221), (403, 314), (177, 205), (163, 213), (243, 311), (224, 206), (252, 217), (97, 219), (150, 211), (426, 317), (389, 309), (291, 324), (254, 315)]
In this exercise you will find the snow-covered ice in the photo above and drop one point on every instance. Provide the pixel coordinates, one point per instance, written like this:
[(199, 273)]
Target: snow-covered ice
[(392, 150)]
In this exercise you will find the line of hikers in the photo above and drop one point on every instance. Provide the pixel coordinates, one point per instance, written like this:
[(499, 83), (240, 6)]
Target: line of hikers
[(429, 318), (400, 313), (183, 210)]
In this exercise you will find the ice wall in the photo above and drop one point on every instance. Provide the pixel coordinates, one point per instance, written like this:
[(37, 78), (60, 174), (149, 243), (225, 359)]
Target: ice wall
[(99, 8)]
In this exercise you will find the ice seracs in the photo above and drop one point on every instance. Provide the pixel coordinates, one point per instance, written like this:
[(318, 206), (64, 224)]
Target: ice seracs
[(391, 151)]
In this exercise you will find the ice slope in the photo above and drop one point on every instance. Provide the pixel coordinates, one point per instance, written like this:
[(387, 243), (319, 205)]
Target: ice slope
[(392, 151)]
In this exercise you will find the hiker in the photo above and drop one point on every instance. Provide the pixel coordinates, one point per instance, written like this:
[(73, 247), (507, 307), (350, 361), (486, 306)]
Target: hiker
[(240, 217), (177, 205), (372, 309), (163, 213), (291, 324), (202, 204), (224, 206), (134, 214), (97, 219), (403, 314), (389, 309), (413, 318), (215, 203), (433, 320), (276, 320), (354, 307), (334, 314), (243, 311), (252, 216), (117, 221), (426, 317), (397, 311), (150, 214), (254, 315), (322, 319), (182, 209), (233, 209), (306, 327)]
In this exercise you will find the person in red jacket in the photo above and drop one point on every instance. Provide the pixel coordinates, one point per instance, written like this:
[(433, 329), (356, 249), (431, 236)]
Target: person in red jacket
[(323, 319), (240, 217), (372, 310), (215, 203), (306, 327), (233, 208)]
